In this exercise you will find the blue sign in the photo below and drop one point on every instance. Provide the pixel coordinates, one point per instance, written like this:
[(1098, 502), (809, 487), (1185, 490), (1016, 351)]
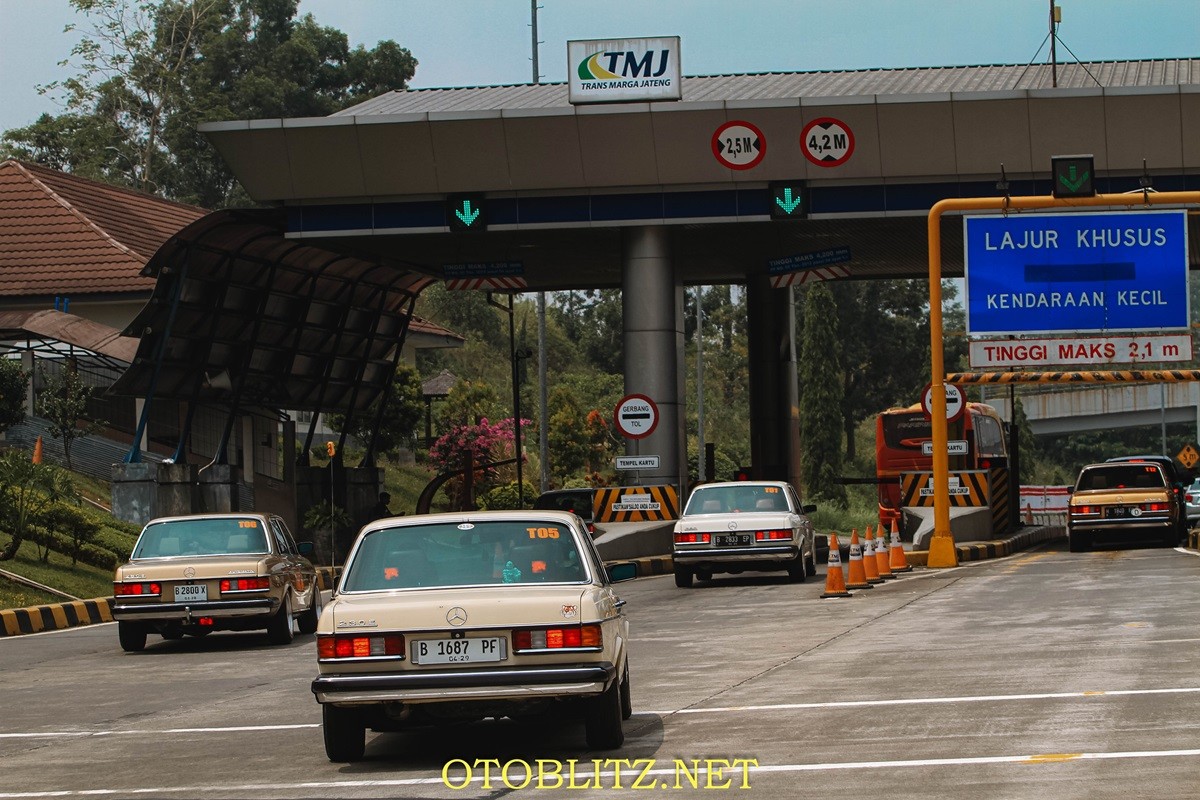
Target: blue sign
[(483, 269), (1076, 272), (834, 255)]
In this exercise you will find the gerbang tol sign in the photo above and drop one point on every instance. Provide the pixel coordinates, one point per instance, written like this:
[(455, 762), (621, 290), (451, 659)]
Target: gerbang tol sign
[(624, 70)]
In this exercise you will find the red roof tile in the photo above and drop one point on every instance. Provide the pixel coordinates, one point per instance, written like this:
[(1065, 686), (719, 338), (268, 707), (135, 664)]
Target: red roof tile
[(65, 235)]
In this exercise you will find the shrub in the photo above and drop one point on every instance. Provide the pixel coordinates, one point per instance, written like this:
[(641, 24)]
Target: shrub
[(505, 496)]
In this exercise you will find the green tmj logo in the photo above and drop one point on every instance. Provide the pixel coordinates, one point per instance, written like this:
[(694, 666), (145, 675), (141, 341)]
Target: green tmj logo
[(615, 65)]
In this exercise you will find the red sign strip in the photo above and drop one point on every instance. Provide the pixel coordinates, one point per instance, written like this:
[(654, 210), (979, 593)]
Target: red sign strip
[(809, 276), (487, 283)]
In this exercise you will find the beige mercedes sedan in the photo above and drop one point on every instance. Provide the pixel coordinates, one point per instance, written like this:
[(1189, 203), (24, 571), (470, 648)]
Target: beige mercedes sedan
[(446, 618), (212, 572)]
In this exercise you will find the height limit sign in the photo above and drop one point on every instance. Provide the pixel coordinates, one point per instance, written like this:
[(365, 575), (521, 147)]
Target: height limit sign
[(636, 416)]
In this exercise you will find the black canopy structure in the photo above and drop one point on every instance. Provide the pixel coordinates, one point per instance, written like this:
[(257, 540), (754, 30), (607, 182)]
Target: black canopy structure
[(243, 316)]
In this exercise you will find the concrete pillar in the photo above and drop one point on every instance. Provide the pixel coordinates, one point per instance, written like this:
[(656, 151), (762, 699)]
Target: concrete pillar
[(652, 305), (218, 489), (176, 491), (27, 365), (774, 413), (134, 492)]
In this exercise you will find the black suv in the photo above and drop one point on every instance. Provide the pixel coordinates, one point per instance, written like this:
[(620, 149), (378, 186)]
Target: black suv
[(573, 501)]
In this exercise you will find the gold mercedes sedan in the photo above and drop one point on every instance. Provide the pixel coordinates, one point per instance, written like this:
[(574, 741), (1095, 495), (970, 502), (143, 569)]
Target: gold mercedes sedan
[(211, 572), (446, 618)]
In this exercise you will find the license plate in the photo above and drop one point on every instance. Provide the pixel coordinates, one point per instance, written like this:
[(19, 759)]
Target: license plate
[(191, 593), (733, 539), (1116, 511), (459, 651)]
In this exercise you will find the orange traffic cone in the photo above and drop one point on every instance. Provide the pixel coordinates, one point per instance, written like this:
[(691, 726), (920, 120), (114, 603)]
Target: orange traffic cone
[(858, 576), (899, 561), (37, 451), (870, 563), (835, 579), (882, 559)]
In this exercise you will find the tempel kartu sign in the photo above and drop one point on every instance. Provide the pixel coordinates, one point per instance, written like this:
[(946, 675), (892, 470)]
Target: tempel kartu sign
[(624, 70), (1054, 273)]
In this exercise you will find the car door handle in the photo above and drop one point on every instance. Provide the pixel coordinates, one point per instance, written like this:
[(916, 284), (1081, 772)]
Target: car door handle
[(619, 603)]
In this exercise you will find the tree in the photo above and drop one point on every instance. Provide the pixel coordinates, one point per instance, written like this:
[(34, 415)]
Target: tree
[(467, 403), (569, 445), (63, 402), (404, 411), (14, 383), (27, 491), (820, 397), (148, 72)]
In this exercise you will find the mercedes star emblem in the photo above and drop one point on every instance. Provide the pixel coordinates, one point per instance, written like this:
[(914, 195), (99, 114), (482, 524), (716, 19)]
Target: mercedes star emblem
[(190, 572), (456, 616), (733, 526)]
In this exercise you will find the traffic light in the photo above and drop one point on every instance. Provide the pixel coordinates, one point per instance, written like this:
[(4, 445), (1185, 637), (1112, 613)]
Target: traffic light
[(1074, 176), (788, 199), (743, 474), (464, 213), (331, 449)]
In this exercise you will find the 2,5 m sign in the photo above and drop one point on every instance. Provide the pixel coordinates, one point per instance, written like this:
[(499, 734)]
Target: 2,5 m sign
[(1081, 272)]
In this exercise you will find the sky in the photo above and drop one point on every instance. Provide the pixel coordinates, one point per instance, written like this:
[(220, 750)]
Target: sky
[(489, 42)]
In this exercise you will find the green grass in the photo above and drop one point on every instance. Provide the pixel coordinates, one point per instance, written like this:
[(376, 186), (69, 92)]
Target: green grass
[(861, 511), (82, 581)]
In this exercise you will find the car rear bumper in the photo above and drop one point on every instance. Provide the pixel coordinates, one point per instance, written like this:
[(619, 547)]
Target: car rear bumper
[(500, 683), (726, 554), (1140, 528), (187, 612)]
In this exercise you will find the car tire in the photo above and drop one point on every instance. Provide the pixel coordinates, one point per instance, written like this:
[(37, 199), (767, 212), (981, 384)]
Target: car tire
[(626, 695), (683, 577), (132, 636), (602, 720), (307, 622), (279, 629), (810, 564), (797, 570), (1078, 543), (345, 734)]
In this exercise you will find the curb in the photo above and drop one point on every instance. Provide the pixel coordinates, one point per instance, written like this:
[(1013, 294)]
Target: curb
[(57, 616), (997, 548)]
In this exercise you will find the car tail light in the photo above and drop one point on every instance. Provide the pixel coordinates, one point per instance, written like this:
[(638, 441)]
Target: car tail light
[(205, 622), (245, 584), (557, 638), (134, 589), (693, 538), (346, 646), (1082, 510), (771, 536), (1156, 506)]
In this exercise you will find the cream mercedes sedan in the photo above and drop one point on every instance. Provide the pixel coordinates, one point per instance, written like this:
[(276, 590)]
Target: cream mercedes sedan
[(742, 525), (446, 618), (211, 572)]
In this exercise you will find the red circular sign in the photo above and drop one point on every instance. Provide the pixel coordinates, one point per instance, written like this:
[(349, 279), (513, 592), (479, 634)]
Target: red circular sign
[(636, 416), (739, 145), (827, 142), (955, 402)]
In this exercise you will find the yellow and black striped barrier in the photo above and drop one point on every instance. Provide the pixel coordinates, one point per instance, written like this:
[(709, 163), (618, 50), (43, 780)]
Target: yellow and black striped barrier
[(636, 504), (17, 621), (968, 489)]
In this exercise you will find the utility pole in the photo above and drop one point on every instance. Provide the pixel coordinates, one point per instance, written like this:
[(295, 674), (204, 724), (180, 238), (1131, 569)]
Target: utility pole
[(1055, 17), (543, 424)]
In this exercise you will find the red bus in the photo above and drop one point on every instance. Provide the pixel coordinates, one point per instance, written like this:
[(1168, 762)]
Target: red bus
[(899, 434)]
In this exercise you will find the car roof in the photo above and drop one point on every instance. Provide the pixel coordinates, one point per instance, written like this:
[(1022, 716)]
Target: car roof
[(228, 515), (470, 516), (747, 484)]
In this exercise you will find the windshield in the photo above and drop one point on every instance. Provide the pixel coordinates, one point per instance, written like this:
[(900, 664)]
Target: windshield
[(1122, 476), (201, 537), (742, 498), (451, 554)]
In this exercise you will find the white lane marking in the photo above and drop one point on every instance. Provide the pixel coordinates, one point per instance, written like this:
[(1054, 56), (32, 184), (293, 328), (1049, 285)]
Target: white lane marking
[(235, 729), (225, 788), (992, 698)]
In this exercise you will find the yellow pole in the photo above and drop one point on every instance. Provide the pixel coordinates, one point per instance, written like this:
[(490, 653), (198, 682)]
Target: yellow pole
[(941, 547)]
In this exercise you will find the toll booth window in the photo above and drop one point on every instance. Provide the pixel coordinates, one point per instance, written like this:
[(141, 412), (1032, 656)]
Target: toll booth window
[(989, 436)]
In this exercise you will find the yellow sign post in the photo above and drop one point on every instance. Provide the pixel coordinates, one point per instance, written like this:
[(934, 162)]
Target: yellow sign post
[(941, 546)]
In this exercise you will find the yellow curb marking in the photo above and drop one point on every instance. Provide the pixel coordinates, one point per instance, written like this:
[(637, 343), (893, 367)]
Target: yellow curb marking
[(1051, 758)]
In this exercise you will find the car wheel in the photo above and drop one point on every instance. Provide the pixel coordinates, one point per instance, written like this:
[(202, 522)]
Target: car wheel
[(1078, 543), (796, 570), (626, 695), (810, 564), (279, 629), (345, 734), (603, 720), (683, 577), (132, 636), (307, 622)]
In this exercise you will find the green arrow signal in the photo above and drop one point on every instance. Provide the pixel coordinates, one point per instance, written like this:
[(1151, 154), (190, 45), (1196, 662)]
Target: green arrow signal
[(467, 216), (1072, 182), (787, 203)]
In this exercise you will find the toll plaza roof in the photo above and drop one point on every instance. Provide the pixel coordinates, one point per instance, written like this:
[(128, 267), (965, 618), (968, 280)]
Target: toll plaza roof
[(813, 86)]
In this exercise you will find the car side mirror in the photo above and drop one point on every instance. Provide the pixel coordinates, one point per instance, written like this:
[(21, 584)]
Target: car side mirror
[(808, 509), (624, 571), (304, 548), (1070, 490)]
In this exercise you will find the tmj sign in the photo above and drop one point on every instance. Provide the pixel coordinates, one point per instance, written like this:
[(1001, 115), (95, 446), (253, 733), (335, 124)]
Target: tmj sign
[(1053, 273), (624, 70)]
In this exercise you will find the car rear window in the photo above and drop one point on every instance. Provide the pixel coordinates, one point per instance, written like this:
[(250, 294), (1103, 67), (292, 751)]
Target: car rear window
[(451, 554), (742, 498), (572, 502), (1122, 476), (201, 537)]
